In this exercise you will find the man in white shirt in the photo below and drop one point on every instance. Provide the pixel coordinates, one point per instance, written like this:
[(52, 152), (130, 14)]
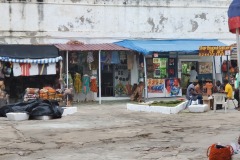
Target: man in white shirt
[(193, 75)]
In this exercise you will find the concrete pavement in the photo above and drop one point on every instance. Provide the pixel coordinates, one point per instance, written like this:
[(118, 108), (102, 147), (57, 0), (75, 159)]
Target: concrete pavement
[(109, 132)]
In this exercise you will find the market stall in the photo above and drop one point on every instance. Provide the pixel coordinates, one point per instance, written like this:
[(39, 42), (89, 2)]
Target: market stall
[(25, 68), (207, 69), (96, 70), (162, 78), (162, 71)]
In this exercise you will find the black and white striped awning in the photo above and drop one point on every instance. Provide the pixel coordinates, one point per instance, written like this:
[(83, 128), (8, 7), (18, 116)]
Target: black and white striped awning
[(37, 61)]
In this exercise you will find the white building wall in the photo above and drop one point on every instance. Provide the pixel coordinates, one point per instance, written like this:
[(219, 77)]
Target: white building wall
[(97, 21)]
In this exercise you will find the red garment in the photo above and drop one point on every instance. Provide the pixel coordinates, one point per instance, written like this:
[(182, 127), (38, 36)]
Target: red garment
[(25, 69), (93, 86)]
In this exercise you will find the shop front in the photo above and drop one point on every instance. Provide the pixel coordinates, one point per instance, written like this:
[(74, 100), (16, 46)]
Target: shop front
[(97, 71), (28, 66), (162, 79), (167, 61), (225, 67)]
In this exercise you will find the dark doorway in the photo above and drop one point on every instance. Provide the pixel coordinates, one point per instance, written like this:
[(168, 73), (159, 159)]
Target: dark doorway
[(107, 81)]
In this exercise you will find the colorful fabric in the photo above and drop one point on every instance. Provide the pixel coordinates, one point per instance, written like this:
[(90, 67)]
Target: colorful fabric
[(94, 85), (77, 83), (236, 82), (25, 69), (86, 83)]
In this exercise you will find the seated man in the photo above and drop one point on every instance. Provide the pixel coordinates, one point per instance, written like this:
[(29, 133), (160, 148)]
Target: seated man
[(192, 95), (218, 88)]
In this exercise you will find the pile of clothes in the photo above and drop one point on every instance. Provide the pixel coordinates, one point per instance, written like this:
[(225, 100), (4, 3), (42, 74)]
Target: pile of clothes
[(51, 94), (31, 94)]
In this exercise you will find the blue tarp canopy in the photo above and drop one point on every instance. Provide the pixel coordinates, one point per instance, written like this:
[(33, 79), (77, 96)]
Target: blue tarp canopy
[(179, 45)]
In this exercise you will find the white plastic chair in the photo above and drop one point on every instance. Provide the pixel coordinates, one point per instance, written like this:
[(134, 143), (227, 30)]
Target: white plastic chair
[(219, 98)]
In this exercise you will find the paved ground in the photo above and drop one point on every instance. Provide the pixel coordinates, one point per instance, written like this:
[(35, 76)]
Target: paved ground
[(109, 132)]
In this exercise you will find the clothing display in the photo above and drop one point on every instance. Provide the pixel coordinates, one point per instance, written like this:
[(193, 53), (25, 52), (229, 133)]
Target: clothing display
[(77, 83), (90, 59), (25, 69), (42, 69), (115, 58), (1, 70), (130, 61), (94, 84), (33, 70), (30, 94), (51, 68), (86, 83), (17, 69)]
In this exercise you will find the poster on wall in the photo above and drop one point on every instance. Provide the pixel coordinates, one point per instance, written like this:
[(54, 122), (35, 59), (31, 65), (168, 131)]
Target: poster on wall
[(160, 67), (205, 67), (173, 87), (156, 87)]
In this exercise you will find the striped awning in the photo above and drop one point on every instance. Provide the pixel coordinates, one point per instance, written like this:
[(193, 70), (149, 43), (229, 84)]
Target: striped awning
[(37, 61), (90, 47)]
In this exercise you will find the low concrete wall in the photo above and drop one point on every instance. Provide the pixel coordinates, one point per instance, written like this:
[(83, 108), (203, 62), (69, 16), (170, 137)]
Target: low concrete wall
[(158, 109)]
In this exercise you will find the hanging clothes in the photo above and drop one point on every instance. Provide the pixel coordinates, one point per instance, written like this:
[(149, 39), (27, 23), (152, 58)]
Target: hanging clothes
[(77, 83), (42, 69), (108, 58), (115, 58), (90, 59), (94, 84), (32, 71), (123, 57), (86, 83), (141, 59), (16, 70), (130, 61), (25, 69), (51, 68)]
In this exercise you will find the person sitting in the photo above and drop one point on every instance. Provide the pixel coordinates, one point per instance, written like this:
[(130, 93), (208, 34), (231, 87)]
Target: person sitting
[(228, 89), (218, 88), (192, 95), (137, 93)]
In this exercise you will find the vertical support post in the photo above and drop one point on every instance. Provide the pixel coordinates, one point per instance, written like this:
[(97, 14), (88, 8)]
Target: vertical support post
[(214, 65), (228, 69), (60, 68), (238, 55), (67, 68), (99, 77), (176, 65), (145, 80)]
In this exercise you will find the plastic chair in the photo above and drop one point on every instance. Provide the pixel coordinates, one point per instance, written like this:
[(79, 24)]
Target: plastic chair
[(219, 98)]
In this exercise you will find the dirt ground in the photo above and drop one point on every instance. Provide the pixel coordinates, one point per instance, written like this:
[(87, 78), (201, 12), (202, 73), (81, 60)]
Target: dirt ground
[(110, 132)]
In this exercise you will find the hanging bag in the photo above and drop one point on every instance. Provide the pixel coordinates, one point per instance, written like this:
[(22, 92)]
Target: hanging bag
[(219, 152)]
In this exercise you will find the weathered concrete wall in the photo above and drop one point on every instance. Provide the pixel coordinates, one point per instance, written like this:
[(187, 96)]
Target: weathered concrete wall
[(92, 21)]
